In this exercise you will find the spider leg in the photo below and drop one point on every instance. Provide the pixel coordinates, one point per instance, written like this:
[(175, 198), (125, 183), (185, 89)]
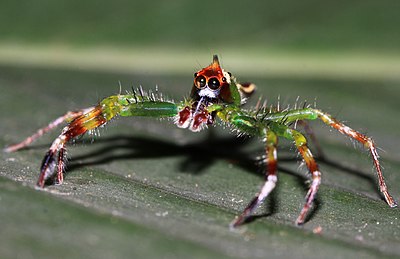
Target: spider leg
[(367, 142), (300, 141), (53, 163), (309, 131), (301, 144), (271, 141), (61, 166), (68, 117), (80, 125)]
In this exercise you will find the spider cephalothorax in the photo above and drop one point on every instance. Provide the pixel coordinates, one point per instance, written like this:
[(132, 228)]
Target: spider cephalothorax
[(212, 85), (215, 95)]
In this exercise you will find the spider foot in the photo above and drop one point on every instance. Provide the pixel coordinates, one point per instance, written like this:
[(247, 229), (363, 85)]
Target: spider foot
[(239, 220), (242, 218), (47, 168), (52, 168), (300, 219), (389, 199)]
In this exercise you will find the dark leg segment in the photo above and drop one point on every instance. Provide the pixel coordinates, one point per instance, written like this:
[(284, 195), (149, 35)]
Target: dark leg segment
[(61, 165)]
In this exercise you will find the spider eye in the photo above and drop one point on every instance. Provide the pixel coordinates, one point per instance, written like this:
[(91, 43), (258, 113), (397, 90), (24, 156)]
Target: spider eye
[(200, 82), (213, 83), (195, 74)]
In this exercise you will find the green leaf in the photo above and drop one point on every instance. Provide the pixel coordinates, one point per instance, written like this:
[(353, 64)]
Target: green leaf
[(145, 189)]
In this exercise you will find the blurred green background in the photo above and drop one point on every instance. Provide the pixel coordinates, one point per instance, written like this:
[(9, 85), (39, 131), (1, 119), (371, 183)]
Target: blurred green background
[(287, 25), (147, 190)]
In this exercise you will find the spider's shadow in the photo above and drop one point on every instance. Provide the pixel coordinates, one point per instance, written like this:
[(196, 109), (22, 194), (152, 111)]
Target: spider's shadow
[(198, 156)]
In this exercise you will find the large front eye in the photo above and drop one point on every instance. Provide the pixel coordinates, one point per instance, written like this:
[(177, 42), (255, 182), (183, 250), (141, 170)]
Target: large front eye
[(200, 82), (213, 83)]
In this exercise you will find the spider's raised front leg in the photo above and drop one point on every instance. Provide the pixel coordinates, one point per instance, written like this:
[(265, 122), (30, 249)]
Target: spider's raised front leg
[(271, 141), (89, 119)]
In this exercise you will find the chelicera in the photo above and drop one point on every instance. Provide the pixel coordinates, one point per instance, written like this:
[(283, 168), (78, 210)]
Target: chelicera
[(215, 96)]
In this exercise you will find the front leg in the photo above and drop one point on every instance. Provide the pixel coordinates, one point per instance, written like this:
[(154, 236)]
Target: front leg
[(53, 163), (55, 156)]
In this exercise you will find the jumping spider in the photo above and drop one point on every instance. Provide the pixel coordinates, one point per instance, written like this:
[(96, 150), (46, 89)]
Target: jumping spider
[(215, 95)]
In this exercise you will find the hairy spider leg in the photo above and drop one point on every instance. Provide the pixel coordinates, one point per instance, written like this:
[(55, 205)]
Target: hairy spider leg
[(78, 126), (314, 140), (68, 117), (301, 144), (300, 141), (271, 141), (278, 123), (367, 142), (123, 105)]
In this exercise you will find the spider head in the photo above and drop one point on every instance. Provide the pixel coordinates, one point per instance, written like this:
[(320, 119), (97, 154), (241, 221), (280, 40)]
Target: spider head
[(212, 83), (210, 86)]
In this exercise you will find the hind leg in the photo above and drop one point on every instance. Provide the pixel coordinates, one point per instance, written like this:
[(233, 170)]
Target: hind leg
[(68, 117)]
